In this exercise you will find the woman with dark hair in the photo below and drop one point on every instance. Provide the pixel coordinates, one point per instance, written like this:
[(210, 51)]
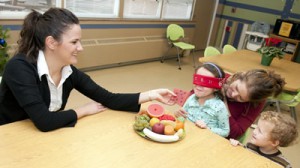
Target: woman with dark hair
[(38, 80)]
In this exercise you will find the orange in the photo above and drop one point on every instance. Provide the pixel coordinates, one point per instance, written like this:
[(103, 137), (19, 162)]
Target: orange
[(179, 125), (169, 130)]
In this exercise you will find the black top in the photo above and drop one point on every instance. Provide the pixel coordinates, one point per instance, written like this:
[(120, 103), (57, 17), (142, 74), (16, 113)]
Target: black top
[(275, 157), (23, 95)]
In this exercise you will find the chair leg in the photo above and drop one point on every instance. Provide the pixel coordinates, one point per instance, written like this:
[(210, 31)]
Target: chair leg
[(194, 58), (277, 106), (293, 113), (245, 42), (178, 57)]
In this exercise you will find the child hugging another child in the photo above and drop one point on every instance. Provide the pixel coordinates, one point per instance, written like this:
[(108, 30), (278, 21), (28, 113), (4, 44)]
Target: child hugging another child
[(205, 106), (273, 130)]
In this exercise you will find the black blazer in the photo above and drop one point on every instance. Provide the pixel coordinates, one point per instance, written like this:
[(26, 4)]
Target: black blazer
[(23, 95)]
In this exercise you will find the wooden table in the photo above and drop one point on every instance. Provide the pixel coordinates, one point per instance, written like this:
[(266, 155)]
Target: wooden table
[(243, 60), (108, 140)]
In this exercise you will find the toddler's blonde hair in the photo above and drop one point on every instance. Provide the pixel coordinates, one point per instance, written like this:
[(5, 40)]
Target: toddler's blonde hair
[(285, 128)]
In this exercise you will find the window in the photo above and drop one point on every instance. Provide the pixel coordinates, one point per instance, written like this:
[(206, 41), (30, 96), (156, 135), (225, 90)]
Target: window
[(18, 9), (177, 9), (149, 9), (159, 9), (94, 8), (132, 9)]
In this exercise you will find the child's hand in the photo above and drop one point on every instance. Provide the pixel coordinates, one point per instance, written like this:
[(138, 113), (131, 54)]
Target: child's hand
[(201, 124), (234, 142), (180, 113)]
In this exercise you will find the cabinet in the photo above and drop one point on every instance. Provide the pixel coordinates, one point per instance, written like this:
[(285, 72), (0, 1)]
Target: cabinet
[(295, 55)]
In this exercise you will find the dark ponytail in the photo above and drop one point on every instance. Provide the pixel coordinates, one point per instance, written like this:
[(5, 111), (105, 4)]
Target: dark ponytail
[(37, 27), (27, 44)]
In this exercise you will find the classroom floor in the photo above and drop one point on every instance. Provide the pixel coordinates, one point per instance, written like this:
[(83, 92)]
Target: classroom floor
[(152, 75)]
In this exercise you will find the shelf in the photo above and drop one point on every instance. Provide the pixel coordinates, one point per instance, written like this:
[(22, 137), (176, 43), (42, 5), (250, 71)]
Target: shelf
[(292, 57)]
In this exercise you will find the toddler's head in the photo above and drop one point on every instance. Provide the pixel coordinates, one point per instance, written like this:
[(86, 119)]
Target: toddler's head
[(275, 129)]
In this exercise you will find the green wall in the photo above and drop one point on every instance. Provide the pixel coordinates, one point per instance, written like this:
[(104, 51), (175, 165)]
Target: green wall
[(237, 12)]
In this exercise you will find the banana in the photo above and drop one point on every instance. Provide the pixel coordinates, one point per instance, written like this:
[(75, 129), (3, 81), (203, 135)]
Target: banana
[(160, 138)]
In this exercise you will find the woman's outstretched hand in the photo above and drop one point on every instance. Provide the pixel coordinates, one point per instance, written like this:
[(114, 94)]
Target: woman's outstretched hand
[(162, 95)]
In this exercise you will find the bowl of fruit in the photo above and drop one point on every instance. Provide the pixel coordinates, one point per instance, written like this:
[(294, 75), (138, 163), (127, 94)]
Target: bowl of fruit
[(157, 125)]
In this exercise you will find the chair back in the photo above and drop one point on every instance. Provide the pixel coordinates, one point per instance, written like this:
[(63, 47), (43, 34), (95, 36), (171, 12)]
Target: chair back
[(228, 49), (243, 138), (211, 51), (289, 99), (175, 32), (297, 98)]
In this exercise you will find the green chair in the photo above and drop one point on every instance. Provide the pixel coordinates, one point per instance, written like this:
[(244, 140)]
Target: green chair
[(175, 35), (243, 138), (287, 99), (211, 51), (228, 49)]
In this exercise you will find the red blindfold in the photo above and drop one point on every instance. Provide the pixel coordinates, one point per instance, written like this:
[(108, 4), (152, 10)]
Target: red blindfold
[(207, 81)]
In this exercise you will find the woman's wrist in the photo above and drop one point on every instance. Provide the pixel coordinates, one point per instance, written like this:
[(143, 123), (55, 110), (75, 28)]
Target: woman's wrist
[(151, 95), (146, 96), (79, 113)]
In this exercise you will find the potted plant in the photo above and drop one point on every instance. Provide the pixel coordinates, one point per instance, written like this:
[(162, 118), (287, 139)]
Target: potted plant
[(3, 49), (269, 52)]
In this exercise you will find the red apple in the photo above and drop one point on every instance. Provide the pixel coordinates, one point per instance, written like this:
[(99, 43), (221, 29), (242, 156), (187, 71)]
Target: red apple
[(158, 128)]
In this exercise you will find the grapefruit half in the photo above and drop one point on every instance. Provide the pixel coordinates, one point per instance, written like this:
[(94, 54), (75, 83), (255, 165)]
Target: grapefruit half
[(155, 110)]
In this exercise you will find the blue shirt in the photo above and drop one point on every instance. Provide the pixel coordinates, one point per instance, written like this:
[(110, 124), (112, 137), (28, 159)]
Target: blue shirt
[(214, 113)]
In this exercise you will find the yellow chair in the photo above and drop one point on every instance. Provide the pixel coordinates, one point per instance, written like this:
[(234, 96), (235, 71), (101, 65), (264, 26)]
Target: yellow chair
[(175, 35), (287, 99), (228, 49), (211, 51)]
